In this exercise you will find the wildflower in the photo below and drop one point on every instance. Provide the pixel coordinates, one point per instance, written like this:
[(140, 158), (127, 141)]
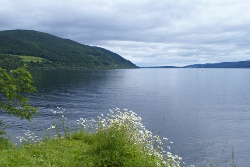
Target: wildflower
[(51, 127), (121, 119)]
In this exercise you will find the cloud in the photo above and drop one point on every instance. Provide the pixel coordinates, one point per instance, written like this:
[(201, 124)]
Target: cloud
[(147, 32)]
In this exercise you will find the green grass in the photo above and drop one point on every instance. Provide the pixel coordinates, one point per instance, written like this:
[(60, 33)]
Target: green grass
[(60, 152), (78, 150), (117, 139), (32, 58)]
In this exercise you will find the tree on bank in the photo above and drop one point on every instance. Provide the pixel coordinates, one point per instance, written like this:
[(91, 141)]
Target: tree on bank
[(14, 85)]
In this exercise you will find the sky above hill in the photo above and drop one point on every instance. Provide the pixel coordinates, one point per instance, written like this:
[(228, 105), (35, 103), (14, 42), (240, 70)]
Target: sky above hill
[(146, 32)]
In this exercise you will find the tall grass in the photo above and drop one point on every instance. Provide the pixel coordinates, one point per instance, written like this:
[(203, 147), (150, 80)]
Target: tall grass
[(117, 139)]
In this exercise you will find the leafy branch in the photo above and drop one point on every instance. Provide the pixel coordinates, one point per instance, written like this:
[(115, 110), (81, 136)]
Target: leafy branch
[(14, 85)]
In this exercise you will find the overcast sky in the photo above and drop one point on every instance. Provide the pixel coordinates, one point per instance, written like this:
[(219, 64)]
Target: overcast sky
[(146, 32)]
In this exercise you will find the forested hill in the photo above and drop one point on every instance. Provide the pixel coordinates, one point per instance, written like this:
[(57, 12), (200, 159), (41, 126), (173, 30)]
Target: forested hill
[(239, 64), (44, 51)]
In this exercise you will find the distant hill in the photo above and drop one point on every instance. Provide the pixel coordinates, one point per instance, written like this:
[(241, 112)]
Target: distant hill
[(239, 64), (44, 51), (161, 67)]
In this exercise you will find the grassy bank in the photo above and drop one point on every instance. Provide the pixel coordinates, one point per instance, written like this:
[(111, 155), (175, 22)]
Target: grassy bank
[(118, 139), (78, 150), (113, 140)]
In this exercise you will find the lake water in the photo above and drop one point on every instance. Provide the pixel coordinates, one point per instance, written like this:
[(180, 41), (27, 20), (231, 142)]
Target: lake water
[(202, 111)]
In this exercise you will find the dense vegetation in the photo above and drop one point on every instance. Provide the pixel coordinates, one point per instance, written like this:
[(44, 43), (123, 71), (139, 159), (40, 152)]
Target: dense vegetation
[(10, 62), (56, 52), (118, 139)]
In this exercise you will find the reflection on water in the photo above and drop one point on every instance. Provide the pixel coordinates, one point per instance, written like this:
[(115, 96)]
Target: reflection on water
[(200, 111)]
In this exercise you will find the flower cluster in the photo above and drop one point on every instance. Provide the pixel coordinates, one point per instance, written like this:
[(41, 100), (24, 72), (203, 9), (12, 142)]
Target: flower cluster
[(59, 128), (29, 137), (119, 120), (138, 134), (59, 111)]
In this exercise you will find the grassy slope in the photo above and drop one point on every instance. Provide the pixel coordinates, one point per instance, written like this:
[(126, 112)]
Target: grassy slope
[(78, 150), (52, 153), (83, 149), (120, 140), (32, 58)]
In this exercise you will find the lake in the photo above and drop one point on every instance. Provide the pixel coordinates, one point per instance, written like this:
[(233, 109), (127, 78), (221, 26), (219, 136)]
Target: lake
[(202, 111)]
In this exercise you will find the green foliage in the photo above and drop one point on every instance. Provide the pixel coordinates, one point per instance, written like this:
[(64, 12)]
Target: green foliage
[(5, 144), (115, 147), (13, 86), (59, 53), (10, 62)]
